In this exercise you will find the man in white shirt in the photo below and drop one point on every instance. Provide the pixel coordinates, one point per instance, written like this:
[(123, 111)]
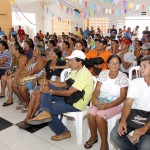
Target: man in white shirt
[(135, 33), (127, 57), (138, 97)]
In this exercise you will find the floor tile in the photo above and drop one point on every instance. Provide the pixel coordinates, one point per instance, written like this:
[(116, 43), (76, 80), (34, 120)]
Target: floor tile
[(45, 134), (35, 128), (68, 145), (12, 134), (2, 146), (30, 143), (36, 137), (15, 116), (4, 124), (53, 148)]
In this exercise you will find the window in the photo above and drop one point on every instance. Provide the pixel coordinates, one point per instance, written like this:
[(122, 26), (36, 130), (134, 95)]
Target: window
[(101, 22), (61, 26), (18, 19), (134, 21)]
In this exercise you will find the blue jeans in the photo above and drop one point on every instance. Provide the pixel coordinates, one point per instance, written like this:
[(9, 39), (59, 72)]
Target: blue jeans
[(124, 143), (55, 105)]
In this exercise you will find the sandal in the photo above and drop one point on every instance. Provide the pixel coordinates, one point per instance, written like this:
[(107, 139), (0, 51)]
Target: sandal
[(2, 96), (23, 125), (24, 110), (7, 104), (19, 107), (89, 144)]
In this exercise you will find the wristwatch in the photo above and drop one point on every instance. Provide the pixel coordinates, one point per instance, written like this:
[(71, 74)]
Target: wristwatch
[(50, 92)]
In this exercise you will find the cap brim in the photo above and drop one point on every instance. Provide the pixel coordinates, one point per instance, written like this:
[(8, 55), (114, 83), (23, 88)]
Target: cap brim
[(70, 57)]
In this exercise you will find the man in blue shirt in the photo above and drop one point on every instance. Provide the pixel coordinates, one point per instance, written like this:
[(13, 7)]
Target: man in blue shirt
[(128, 33), (1, 32), (12, 32), (86, 32)]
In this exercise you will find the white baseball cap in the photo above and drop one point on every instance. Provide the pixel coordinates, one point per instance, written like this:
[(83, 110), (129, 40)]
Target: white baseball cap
[(146, 46), (78, 54)]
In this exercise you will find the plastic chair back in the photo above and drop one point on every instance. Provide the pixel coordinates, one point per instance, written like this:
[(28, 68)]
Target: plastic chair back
[(137, 72), (65, 74)]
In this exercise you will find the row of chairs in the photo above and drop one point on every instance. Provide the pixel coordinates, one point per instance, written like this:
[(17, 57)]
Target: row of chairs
[(78, 116)]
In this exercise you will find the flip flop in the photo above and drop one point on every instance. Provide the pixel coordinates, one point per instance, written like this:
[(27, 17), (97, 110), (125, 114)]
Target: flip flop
[(19, 107), (24, 110), (7, 104), (89, 144), (23, 125), (2, 96)]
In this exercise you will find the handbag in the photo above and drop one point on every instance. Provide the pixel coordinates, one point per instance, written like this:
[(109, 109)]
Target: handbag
[(137, 119), (104, 100), (11, 70), (75, 97)]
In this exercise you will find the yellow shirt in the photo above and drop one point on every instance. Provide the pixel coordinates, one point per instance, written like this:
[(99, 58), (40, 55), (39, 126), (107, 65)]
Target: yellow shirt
[(83, 81), (77, 33)]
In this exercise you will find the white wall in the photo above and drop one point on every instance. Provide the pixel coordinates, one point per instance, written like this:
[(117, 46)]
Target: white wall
[(60, 13), (43, 18), (32, 6)]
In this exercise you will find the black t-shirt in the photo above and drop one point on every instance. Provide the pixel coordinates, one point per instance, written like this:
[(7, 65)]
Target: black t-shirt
[(146, 32), (138, 60), (113, 32), (57, 72)]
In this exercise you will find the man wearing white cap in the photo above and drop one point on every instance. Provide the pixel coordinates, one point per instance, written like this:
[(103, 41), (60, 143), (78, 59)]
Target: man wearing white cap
[(144, 52), (75, 98)]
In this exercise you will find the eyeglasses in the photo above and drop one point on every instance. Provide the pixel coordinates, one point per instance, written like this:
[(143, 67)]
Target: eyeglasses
[(72, 61), (114, 63)]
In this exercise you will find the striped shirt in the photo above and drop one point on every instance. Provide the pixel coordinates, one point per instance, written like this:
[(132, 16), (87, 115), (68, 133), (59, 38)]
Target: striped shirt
[(8, 55)]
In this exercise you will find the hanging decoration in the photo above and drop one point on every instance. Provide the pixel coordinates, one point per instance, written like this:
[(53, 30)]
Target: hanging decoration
[(137, 8), (14, 4), (92, 9), (143, 7), (116, 2), (131, 5)]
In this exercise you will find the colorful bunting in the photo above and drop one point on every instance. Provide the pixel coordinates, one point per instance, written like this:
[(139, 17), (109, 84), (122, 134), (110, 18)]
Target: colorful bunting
[(14, 4), (80, 2), (137, 8), (116, 2), (92, 9), (86, 5), (131, 5), (143, 7), (125, 4)]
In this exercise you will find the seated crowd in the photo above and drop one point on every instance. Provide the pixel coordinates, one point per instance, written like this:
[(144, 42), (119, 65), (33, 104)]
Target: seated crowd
[(31, 70)]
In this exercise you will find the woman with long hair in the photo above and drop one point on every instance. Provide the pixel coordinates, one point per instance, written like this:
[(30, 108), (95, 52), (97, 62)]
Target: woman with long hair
[(19, 61)]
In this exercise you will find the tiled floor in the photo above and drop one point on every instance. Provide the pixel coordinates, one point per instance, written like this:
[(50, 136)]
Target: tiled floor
[(13, 138)]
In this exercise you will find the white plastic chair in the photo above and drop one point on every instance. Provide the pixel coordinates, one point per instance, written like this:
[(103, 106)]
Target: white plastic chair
[(137, 71), (65, 74), (78, 118)]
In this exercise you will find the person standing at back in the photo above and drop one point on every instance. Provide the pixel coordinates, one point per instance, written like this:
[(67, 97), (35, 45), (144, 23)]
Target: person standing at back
[(1, 32), (113, 32), (21, 33)]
